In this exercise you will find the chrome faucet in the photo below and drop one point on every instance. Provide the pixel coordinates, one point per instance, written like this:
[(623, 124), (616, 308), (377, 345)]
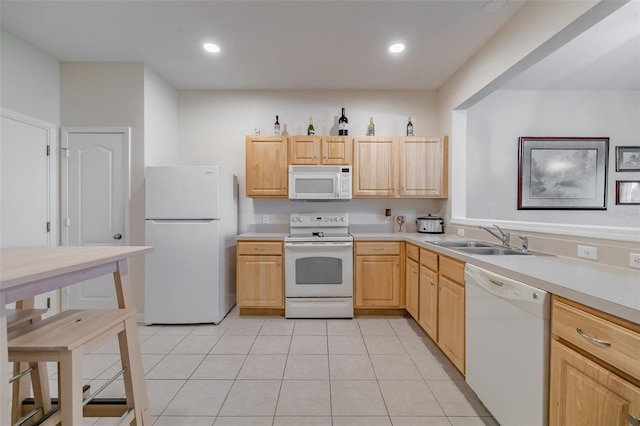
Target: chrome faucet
[(525, 243), (504, 236)]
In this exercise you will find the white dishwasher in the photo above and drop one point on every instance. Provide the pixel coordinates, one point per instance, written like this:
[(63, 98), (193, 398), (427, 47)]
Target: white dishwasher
[(507, 347)]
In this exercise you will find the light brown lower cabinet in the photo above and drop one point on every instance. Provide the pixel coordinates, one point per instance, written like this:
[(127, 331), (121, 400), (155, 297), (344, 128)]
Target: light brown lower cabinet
[(428, 317), (378, 279), (440, 297), (595, 360), (260, 275), (413, 287), (451, 321), (584, 393)]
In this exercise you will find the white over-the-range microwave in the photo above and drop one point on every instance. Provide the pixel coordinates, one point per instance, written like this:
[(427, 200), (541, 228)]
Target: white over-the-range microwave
[(317, 183)]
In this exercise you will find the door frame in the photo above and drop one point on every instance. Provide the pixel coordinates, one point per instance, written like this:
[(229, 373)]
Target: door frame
[(64, 174), (51, 131), (53, 200)]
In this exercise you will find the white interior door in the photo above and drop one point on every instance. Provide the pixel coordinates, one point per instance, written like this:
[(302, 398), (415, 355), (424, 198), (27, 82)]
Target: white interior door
[(95, 203), (28, 185)]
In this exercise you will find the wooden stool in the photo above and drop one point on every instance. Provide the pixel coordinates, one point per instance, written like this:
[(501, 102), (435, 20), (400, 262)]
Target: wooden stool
[(19, 319), (65, 338)]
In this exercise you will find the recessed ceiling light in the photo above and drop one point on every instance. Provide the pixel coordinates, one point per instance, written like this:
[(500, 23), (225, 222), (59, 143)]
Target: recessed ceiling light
[(210, 47), (396, 48)]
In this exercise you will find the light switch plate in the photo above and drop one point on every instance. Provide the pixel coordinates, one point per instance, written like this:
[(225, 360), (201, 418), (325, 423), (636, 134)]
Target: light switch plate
[(634, 260), (588, 252), (461, 232)]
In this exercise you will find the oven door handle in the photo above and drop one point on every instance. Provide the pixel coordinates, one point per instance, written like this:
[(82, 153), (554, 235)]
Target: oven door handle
[(319, 245)]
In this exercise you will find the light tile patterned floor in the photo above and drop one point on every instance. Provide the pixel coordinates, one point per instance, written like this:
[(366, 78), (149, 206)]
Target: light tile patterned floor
[(272, 371)]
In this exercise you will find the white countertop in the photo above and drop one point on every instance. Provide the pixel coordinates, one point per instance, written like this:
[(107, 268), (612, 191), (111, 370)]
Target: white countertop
[(609, 289)]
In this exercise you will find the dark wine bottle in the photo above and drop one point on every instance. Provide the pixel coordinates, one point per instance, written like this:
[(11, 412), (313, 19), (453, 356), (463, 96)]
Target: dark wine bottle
[(276, 127), (310, 129), (343, 125)]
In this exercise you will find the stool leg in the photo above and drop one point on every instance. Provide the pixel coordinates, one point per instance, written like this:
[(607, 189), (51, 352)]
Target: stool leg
[(40, 381), (70, 385), (134, 384), (19, 391)]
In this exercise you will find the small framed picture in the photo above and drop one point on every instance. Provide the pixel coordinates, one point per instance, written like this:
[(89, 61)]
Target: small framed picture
[(628, 192), (628, 159)]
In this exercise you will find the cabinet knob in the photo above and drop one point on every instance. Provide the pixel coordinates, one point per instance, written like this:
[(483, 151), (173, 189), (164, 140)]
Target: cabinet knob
[(633, 420), (433, 284)]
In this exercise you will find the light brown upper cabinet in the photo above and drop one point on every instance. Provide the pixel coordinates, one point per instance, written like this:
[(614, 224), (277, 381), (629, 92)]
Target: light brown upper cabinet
[(325, 150), (375, 164), (267, 169), (423, 167), (408, 167)]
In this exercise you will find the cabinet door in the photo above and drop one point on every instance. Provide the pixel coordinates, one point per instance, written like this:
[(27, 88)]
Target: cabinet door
[(413, 288), (304, 150), (451, 321), (584, 393), (421, 167), (260, 281), (375, 163), (336, 150), (266, 169), (428, 313), (377, 282)]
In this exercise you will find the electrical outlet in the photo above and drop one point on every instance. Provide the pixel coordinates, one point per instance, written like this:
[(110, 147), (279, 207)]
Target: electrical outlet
[(265, 218), (634, 260), (588, 252), (461, 232)]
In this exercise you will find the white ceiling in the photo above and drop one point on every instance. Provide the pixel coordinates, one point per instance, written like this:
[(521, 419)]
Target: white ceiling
[(316, 44), (296, 44)]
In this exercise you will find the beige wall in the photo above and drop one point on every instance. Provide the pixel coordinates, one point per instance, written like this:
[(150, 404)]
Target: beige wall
[(112, 94)]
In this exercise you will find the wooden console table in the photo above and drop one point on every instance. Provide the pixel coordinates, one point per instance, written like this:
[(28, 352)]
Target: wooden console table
[(28, 271)]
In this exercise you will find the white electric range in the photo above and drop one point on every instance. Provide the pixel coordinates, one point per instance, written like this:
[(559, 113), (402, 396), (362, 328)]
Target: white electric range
[(318, 266)]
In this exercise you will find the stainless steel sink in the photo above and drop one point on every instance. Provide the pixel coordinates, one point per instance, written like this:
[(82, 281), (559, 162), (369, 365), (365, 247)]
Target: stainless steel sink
[(497, 251), (460, 244)]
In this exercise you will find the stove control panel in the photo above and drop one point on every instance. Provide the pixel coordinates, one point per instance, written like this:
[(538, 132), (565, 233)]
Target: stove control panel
[(319, 219)]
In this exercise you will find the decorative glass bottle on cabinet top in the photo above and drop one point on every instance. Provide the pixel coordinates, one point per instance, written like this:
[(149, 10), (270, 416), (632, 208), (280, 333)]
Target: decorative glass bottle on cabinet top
[(371, 128), (409, 127)]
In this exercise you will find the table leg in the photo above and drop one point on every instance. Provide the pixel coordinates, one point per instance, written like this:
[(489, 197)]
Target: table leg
[(130, 344), (5, 409)]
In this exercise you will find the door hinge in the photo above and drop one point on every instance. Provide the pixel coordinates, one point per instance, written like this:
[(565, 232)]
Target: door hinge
[(48, 226), (48, 303), (48, 150)]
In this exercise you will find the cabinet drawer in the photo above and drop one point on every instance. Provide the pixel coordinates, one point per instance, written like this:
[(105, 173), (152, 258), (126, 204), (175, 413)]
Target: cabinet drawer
[(254, 248), (378, 247), (579, 327), (413, 252), (452, 269), (429, 259)]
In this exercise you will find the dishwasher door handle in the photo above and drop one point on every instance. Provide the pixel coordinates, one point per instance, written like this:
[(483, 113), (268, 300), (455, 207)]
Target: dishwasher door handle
[(593, 339)]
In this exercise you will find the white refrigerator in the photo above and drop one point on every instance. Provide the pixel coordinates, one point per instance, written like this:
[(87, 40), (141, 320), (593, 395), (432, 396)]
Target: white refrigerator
[(191, 220)]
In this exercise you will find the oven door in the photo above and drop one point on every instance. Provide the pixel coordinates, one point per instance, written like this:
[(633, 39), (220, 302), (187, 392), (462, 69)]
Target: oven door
[(318, 269)]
